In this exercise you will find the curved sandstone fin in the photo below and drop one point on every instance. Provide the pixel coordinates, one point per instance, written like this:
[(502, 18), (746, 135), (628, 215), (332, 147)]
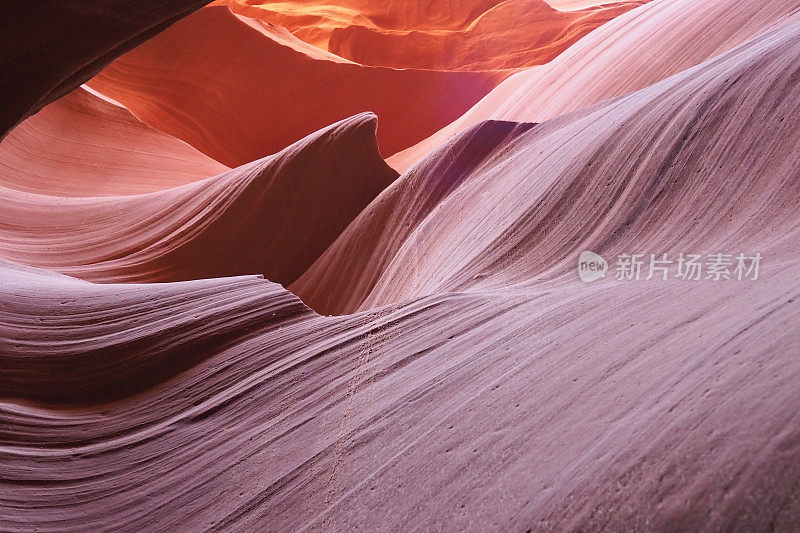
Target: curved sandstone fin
[(83, 145), (274, 216), (344, 275)]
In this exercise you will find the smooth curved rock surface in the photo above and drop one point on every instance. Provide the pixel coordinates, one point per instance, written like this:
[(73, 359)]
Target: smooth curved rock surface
[(505, 35), (522, 216), (475, 383), (431, 28), (342, 278), (236, 93), (633, 51), (121, 339), (84, 145), (273, 217), (570, 5)]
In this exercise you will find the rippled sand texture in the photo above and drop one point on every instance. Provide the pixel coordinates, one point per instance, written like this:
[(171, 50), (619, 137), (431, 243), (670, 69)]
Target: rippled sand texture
[(221, 309)]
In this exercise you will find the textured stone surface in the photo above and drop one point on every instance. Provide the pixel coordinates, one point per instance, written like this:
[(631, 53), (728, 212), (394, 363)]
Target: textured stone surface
[(435, 362)]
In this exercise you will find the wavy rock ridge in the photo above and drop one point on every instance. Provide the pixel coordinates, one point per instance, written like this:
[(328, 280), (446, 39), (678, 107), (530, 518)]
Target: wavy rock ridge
[(83, 145), (631, 52), (468, 380), (238, 222), (444, 36), (170, 86), (418, 69)]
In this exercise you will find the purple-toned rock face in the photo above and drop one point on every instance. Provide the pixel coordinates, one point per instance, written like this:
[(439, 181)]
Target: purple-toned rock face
[(577, 308)]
